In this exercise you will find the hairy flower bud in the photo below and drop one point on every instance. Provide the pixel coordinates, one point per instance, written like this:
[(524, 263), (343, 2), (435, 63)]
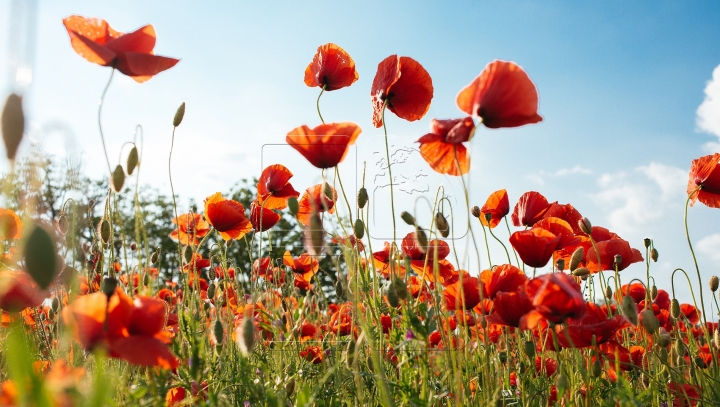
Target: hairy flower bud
[(400, 288), (442, 225), (408, 218), (580, 272), (293, 205), (649, 322), (585, 225), (132, 160), (664, 340), (560, 264), (714, 282), (629, 310), (475, 211), (13, 125), (576, 258), (675, 308), (155, 256), (716, 338), (359, 228), (653, 292), (118, 178), (179, 114), (596, 368), (218, 331), (314, 236), (654, 254), (421, 239), (246, 336), (529, 348), (608, 292), (362, 198), (104, 231), (562, 383), (392, 296)]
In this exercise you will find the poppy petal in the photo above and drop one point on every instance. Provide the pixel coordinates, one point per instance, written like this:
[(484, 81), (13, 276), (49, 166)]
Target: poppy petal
[(332, 68), (445, 158), (141, 40), (143, 351), (142, 67)]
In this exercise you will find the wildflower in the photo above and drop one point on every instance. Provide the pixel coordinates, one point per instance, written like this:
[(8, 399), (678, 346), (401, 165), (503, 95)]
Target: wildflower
[(464, 294), (443, 147), (502, 96), (705, 178), (403, 86), (131, 54), (313, 354), (608, 249), (331, 69), (316, 199), (593, 322), (274, 188), (261, 218), (498, 206), (509, 308), (19, 291), (10, 225), (227, 216), (422, 260), (535, 246), (191, 228), (530, 208), (556, 297), (502, 278), (326, 145)]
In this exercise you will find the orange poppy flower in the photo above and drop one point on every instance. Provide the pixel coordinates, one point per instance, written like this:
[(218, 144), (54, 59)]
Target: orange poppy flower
[(331, 68), (608, 249), (422, 262), (10, 225), (316, 199), (313, 354), (502, 95), (529, 209), (510, 307), (191, 228), (502, 278), (593, 324), (303, 264), (535, 246), (19, 291), (274, 187), (464, 294), (381, 260), (497, 205), (326, 145), (565, 212), (263, 222), (556, 297), (442, 148), (227, 216), (403, 86), (705, 173), (131, 54), (559, 228)]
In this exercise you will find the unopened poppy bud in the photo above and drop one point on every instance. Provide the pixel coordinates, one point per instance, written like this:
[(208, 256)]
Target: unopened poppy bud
[(359, 228), (55, 304), (104, 231), (400, 288), (314, 236), (716, 338), (421, 239), (699, 362), (654, 254), (475, 211), (483, 322), (649, 322), (581, 272), (488, 216), (132, 160), (13, 125), (585, 225), (179, 114), (629, 309), (596, 368), (714, 282), (146, 280), (679, 348), (392, 296), (289, 387), (653, 292), (293, 205), (675, 308), (617, 259), (188, 254), (529, 348), (560, 264), (218, 331), (647, 242), (329, 193), (109, 285), (350, 354), (664, 340), (362, 197), (246, 337), (409, 219), (211, 291), (502, 356), (212, 274), (442, 224), (155, 256), (562, 384), (576, 258), (118, 178), (608, 292)]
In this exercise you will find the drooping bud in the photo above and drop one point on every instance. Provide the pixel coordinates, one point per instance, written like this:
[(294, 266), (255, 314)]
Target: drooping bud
[(211, 291), (132, 160), (55, 305), (118, 178), (608, 292), (714, 282), (596, 368), (350, 354), (41, 257), (629, 310), (654, 254), (421, 239), (442, 225), (104, 231), (246, 336), (675, 308), (664, 340), (293, 205), (155, 256), (218, 331), (146, 280), (133, 246), (314, 236), (392, 296), (179, 114), (649, 321), (290, 387), (62, 225), (362, 198), (653, 292), (580, 272), (13, 125), (585, 225), (359, 228), (576, 258), (329, 193), (211, 273), (475, 211), (408, 218)]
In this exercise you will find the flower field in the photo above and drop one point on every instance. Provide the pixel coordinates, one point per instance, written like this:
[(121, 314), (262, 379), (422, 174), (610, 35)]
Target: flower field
[(276, 294)]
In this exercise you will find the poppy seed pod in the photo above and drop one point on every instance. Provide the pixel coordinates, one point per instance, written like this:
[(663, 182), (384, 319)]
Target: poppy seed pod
[(576, 258), (617, 259), (475, 211), (118, 178), (359, 228), (179, 114), (409, 219), (13, 125), (442, 225), (654, 254), (246, 337), (218, 331), (629, 310), (585, 225), (714, 282), (647, 242), (675, 308), (362, 198), (132, 160), (649, 322), (109, 285)]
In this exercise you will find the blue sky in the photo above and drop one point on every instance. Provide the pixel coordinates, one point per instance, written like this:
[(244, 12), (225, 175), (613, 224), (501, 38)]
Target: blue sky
[(620, 85)]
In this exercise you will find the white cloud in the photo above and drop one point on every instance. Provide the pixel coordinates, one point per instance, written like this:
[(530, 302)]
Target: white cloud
[(708, 113), (574, 170), (540, 177), (710, 246)]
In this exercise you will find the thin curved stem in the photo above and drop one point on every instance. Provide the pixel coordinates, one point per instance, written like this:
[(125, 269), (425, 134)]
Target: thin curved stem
[(172, 189), (692, 252), (317, 104), (102, 136), (387, 154)]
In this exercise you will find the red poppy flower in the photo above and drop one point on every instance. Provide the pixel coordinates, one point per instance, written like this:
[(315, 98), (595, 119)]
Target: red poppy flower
[(559, 228), (691, 313), (266, 269), (131, 54), (686, 395), (636, 291), (263, 222), (403, 86), (19, 291), (381, 260), (326, 145), (705, 173), (510, 307), (197, 263), (316, 199), (191, 228), (529, 209), (498, 206), (608, 249), (423, 262), (464, 294), (331, 68), (535, 246), (593, 324), (442, 148), (503, 278), (556, 297), (565, 212), (349, 241), (303, 264), (313, 354), (274, 187), (502, 95), (10, 225), (227, 216)]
